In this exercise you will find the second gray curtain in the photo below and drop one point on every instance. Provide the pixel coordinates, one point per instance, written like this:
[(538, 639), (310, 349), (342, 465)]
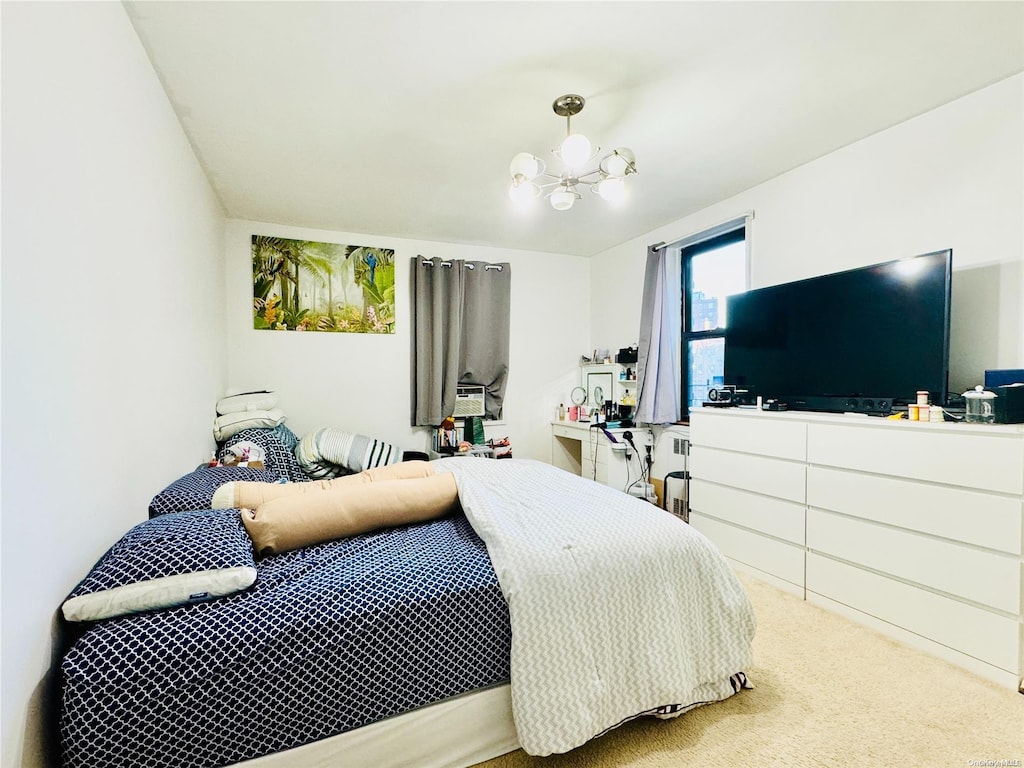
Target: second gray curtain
[(658, 374), (461, 334)]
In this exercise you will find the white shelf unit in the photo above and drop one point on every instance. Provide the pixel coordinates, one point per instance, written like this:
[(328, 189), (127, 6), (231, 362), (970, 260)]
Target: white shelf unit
[(912, 528), (611, 378)]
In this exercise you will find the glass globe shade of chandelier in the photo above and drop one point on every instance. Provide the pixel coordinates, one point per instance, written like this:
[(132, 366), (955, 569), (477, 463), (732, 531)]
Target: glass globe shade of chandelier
[(575, 150), (530, 178), (562, 199)]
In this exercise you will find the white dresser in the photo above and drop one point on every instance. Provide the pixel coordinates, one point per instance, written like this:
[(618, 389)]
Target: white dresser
[(912, 528)]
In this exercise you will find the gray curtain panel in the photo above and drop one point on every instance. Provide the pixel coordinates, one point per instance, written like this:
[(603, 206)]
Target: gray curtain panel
[(460, 334), (658, 375)]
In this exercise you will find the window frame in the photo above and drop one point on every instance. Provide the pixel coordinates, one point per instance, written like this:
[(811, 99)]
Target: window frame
[(687, 253)]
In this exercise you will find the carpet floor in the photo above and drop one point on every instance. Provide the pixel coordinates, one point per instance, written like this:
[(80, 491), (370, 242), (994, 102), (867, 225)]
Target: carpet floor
[(827, 692)]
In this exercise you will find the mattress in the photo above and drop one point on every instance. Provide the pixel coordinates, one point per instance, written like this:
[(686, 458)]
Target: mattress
[(330, 638)]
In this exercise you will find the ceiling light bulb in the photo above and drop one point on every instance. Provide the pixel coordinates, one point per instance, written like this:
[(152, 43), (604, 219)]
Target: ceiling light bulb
[(562, 200), (619, 163), (575, 150), (526, 166), (612, 189), (523, 193)]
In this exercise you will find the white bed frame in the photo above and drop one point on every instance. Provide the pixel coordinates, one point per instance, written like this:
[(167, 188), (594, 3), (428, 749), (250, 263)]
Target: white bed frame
[(455, 733)]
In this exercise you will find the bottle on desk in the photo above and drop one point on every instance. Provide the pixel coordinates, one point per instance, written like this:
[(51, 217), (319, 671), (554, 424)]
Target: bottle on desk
[(561, 411)]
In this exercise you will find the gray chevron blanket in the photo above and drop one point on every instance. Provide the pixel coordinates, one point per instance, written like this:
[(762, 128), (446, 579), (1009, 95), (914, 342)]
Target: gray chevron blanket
[(618, 608)]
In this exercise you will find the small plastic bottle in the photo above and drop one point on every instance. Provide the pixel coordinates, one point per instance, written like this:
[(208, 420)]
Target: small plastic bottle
[(561, 411)]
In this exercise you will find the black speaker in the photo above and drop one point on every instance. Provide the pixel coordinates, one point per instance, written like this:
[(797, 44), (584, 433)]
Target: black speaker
[(720, 395), (1009, 404)]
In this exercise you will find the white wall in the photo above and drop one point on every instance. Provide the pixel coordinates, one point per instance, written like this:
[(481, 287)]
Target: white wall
[(113, 284), (951, 178), (362, 382)]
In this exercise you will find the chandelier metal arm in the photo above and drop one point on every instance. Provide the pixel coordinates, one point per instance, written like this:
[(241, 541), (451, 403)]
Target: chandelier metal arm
[(569, 180)]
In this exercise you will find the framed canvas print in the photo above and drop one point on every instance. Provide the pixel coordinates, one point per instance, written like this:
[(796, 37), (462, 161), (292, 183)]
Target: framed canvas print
[(303, 285)]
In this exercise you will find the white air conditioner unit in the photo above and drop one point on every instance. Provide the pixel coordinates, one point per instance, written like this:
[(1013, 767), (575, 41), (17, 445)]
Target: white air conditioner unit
[(469, 401)]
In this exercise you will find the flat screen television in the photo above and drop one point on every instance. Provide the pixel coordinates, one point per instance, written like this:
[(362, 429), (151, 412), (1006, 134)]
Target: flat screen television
[(864, 340)]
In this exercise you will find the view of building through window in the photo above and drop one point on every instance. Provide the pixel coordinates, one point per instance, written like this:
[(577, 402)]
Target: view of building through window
[(711, 273)]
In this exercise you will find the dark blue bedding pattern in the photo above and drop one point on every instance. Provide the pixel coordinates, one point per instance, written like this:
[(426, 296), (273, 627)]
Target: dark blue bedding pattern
[(278, 443), (329, 638), (195, 490)]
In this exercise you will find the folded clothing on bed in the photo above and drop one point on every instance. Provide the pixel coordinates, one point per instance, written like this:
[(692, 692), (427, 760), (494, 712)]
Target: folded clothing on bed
[(251, 494), (299, 520)]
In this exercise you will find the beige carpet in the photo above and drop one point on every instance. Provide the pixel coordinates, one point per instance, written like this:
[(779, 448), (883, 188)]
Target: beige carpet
[(828, 692)]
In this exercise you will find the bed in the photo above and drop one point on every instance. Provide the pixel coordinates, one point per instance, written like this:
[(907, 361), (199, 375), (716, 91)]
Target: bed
[(543, 612)]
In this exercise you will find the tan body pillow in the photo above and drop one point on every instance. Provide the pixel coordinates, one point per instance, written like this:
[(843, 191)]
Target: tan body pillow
[(300, 520), (252, 494)]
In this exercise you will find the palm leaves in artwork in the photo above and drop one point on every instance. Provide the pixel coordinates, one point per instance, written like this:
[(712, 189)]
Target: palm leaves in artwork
[(278, 264)]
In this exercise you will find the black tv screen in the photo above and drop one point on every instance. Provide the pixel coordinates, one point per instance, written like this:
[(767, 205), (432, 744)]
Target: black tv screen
[(865, 339)]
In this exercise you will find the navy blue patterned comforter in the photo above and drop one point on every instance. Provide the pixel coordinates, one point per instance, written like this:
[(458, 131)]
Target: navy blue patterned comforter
[(329, 638)]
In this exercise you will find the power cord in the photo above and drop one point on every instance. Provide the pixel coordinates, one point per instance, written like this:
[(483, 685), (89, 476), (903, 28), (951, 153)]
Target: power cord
[(646, 462), (628, 437)]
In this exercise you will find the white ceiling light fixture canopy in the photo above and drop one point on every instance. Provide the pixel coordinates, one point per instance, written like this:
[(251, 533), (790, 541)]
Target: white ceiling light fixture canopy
[(575, 151)]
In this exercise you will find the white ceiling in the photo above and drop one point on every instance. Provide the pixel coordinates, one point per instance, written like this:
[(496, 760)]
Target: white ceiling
[(399, 119)]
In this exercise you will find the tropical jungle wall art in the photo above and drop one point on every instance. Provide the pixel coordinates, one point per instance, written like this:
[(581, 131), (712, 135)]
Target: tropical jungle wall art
[(301, 285)]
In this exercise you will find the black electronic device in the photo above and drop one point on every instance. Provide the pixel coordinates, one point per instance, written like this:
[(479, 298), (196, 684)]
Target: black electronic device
[(730, 395), (864, 340), (627, 355), (1008, 406), (723, 395), (773, 405)]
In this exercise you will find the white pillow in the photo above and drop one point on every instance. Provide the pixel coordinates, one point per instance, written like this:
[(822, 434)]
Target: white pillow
[(171, 560), (232, 423), (246, 401)]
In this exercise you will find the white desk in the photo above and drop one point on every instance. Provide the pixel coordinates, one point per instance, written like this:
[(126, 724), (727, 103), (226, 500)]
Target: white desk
[(585, 450)]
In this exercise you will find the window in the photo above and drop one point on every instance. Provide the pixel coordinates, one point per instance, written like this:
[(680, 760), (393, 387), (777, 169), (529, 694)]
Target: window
[(712, 269)]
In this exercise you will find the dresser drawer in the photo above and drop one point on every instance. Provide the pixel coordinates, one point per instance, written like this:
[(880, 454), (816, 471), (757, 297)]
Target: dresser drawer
[(772, 477), (594, 469), (749, 432), (778, 558), (965, 628), (775, 517), (986, 519), (985, 577), (561, 430), (973, 459)]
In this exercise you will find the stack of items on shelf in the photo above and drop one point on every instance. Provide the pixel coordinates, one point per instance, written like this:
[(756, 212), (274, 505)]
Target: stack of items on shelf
[(469, 440)]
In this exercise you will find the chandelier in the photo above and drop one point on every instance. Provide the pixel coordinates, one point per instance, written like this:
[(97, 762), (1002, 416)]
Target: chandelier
[(608, 179)]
